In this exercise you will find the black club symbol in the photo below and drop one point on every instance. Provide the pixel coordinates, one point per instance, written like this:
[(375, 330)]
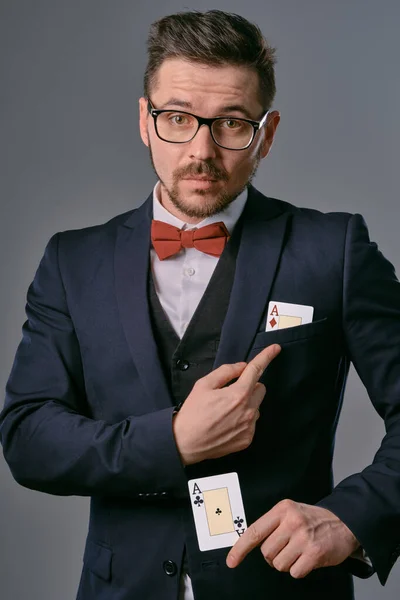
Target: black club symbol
[(218, 511), (238, 522), (198, 501)]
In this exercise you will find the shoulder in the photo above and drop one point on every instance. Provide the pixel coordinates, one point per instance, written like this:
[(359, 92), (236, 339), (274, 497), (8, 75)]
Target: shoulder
[(83, 249), (305, 221), (95, 232)]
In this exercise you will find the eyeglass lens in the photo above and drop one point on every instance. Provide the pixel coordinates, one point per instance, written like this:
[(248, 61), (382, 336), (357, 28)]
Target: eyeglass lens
[(181, 127)]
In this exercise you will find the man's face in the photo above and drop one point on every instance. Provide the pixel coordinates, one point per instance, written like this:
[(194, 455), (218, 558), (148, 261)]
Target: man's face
[(207, 92)]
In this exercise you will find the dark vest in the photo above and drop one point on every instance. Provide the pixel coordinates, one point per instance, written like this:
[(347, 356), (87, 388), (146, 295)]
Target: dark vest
[(186, 360)]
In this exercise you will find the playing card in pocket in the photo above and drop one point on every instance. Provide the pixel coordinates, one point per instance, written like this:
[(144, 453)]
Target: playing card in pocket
[(218, 510), (282, 315)]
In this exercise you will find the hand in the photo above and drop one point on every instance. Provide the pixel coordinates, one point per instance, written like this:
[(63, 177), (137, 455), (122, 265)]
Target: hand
[(297, 538), (215, 420)]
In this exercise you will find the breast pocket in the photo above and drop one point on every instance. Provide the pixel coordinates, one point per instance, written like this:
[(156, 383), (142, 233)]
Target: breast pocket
[(289, 335), (308, 353)]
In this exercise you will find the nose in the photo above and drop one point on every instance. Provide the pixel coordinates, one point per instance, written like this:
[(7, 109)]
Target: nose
[(202, 146)]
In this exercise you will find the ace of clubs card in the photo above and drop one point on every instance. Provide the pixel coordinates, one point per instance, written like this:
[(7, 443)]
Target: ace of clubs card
[(218, 510)]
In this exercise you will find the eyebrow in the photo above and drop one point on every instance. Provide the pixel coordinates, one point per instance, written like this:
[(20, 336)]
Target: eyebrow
[(224, 110)]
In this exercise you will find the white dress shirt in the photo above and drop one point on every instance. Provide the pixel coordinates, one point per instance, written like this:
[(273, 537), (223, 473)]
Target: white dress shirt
[(181, 281)]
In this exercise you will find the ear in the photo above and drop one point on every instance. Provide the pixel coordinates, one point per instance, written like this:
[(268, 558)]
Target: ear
[(270, 129), (143, 120)]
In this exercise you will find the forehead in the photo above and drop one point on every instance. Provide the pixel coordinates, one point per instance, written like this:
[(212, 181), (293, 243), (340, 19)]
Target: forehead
[(207, 87)]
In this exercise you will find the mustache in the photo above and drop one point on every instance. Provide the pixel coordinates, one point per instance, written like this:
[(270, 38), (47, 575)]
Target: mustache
[(206, 168)]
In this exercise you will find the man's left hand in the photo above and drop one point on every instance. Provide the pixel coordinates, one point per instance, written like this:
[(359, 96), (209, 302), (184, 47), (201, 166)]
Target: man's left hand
[(297, 538)]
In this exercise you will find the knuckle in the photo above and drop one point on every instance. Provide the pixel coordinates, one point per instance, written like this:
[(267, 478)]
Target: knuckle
[(287, 504), (295, 518), (246, 442), (249, 441), (232, 367), (256, 367), (239, 393), (302, 537), (242, 394), (249, 416), (252, 431), (267, 554), (236, 401), (315, 551), (278, 565), (227, 370), (296, 524), (254, 534), (261, 387)]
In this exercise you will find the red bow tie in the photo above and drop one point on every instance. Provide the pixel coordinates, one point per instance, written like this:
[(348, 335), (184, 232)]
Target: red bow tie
[(169, 240)]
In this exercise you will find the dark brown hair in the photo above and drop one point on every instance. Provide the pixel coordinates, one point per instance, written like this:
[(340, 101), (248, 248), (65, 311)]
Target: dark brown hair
[(213, 38)]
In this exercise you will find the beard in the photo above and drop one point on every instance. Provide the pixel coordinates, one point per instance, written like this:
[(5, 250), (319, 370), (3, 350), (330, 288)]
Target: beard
[(211, 206)]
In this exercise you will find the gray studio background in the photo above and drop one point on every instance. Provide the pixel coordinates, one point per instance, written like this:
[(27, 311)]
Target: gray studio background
[(71, 156)]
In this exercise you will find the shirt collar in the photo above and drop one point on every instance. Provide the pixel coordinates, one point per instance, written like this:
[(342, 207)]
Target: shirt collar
[(229, 215)]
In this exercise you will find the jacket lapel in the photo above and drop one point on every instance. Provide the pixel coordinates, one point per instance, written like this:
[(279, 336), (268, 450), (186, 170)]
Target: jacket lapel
[(263, 233), (132, 261)]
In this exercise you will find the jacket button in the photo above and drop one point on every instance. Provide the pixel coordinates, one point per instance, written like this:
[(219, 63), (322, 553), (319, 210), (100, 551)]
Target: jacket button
[(183, 365), (170, 568)]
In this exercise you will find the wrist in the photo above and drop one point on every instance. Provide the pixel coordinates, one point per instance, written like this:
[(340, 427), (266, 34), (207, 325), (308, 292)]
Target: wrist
[(187, 457), (177, 435)]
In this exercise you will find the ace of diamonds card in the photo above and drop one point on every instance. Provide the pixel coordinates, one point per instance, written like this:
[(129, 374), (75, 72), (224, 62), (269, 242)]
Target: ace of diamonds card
[(282, 315)]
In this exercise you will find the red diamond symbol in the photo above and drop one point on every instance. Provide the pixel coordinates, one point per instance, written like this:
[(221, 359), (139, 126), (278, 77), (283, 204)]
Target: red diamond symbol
[(273, 322)]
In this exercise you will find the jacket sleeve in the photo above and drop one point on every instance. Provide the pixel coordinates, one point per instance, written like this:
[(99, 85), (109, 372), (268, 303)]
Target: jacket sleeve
[(49, 440), (369, 502)]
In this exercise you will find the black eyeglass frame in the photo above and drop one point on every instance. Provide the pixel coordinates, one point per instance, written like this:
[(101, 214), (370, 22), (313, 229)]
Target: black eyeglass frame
[(155, 112)]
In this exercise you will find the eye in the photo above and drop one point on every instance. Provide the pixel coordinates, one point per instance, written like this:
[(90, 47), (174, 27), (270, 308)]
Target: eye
[(178, 119), (231, 124)]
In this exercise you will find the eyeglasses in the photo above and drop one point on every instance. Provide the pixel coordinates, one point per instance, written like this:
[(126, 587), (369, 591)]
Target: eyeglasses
[(180, 127)]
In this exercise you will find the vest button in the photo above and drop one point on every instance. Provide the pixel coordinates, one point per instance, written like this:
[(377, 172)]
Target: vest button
[(170, 568), (183, 365)]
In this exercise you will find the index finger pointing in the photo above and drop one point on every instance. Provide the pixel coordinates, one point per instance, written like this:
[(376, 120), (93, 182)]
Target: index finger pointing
[(253, 536), (256, 367)]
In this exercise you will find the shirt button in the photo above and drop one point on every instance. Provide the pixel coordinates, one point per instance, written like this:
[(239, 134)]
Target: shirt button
[(190, 271), (170, 568), (183, 365)]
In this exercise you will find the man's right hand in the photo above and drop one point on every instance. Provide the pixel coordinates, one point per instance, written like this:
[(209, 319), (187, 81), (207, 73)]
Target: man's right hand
[(215, 420)]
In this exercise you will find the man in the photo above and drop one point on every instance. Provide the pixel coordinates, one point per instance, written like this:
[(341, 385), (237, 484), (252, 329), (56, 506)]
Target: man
[(210, 332)]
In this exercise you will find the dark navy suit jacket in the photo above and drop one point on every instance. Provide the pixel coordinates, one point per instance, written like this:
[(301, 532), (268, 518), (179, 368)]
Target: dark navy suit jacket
[(88, 411)]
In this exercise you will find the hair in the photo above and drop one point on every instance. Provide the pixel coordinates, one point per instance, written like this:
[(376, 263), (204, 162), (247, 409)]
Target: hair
[(213, 38)]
